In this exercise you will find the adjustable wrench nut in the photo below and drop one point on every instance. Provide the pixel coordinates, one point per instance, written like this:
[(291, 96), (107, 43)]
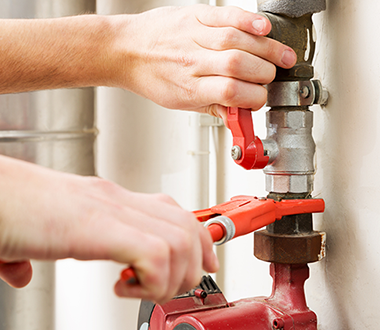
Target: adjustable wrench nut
[(228, 225)]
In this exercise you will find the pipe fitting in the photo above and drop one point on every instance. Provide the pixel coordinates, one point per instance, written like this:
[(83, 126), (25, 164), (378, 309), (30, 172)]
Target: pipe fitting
[(293, 169), (283, 184), (298, 93), (292, 8)]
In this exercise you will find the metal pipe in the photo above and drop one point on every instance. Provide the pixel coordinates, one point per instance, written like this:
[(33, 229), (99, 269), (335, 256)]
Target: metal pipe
[(291, 8), (53, 129)]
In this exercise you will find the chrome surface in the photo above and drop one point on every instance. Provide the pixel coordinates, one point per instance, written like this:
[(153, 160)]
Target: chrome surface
[(53, 129), (228, 225), (293, 168), (290, 93), (236, 152)]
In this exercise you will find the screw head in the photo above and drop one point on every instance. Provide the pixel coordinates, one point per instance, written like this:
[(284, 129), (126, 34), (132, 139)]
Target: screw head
[(236, 152), (305, 92)]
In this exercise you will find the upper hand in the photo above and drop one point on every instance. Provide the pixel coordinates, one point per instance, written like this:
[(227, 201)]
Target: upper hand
[(201, 58)]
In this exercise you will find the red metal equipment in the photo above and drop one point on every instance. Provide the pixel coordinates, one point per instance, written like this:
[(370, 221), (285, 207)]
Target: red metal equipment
[(285, 309)]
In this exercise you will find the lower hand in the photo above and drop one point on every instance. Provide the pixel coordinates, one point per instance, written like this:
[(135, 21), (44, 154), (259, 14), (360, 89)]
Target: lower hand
[(47, 215)]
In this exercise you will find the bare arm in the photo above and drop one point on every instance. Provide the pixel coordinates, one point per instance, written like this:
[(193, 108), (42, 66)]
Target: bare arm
[(53, 53), (198, 58)]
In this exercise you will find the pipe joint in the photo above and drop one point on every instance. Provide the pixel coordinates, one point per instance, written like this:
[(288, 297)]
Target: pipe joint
[(292, 8)]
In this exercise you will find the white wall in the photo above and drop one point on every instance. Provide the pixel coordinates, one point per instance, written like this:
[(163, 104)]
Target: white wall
[(344, 288)]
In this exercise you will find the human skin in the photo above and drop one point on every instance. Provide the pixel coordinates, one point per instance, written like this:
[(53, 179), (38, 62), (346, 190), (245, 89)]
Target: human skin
[(197, 58)]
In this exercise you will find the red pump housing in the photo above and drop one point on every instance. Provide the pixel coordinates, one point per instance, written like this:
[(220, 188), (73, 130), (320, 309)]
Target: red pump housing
[(284, 309)]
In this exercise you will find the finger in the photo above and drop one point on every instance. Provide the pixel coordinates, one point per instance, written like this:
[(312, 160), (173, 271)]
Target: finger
[(16, 274), (159, 251), (218, 111), (227, 38), (229, 92), (239, 65), (182, 236), (238, 18), (210, 261)]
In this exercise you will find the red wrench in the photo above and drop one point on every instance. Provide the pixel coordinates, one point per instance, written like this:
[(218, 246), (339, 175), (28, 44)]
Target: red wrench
[(243, 215)]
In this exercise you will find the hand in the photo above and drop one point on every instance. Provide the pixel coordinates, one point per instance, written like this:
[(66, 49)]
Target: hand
[(48, 215), (199, 58)]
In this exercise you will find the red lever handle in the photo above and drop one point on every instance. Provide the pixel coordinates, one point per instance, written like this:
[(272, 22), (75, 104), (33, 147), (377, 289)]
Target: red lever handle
[(128, 275), (248, 148)]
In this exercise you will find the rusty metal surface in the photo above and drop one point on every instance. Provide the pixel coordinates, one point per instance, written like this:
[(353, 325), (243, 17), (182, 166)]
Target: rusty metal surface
[(296, 33), (289, 249), (292, 8)]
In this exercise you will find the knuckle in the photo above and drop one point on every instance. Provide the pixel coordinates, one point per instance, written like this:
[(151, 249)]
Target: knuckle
[(102, 184), (184, 242), (160, 252), (189, 221), (185, 60), (190, 92), (164, 198), (232, 63), (227, 38), (229, 92)]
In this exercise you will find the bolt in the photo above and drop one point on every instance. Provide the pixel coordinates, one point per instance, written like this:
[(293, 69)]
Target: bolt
[(236, 152), (322, 95), (200, 293), (278, 323), (305, 92)]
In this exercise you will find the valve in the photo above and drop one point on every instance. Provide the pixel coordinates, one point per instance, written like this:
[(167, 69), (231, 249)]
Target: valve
[(248, 150), (243, 215)]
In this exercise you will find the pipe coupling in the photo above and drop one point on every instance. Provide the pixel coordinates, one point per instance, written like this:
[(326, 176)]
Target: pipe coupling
[(296, 93), (292, 171), (291, 8)]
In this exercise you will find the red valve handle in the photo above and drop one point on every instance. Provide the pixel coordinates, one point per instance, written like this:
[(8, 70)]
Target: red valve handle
[(251, 148)]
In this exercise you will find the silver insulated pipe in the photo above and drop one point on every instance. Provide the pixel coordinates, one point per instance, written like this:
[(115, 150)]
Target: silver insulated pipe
[(53, 129)]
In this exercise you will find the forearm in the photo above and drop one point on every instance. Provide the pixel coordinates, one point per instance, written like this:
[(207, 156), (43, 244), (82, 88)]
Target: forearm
[(56, 53)]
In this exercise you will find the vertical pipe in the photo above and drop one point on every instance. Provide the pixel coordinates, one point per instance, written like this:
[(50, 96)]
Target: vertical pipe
[(199, 167), (53, 129)]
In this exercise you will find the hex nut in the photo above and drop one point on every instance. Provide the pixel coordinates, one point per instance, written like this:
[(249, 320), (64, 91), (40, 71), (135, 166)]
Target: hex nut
[(289, 249), (283, 184)]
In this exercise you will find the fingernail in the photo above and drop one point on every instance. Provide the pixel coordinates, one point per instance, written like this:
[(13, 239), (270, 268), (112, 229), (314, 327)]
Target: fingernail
[(288, 57), (258, 25)]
